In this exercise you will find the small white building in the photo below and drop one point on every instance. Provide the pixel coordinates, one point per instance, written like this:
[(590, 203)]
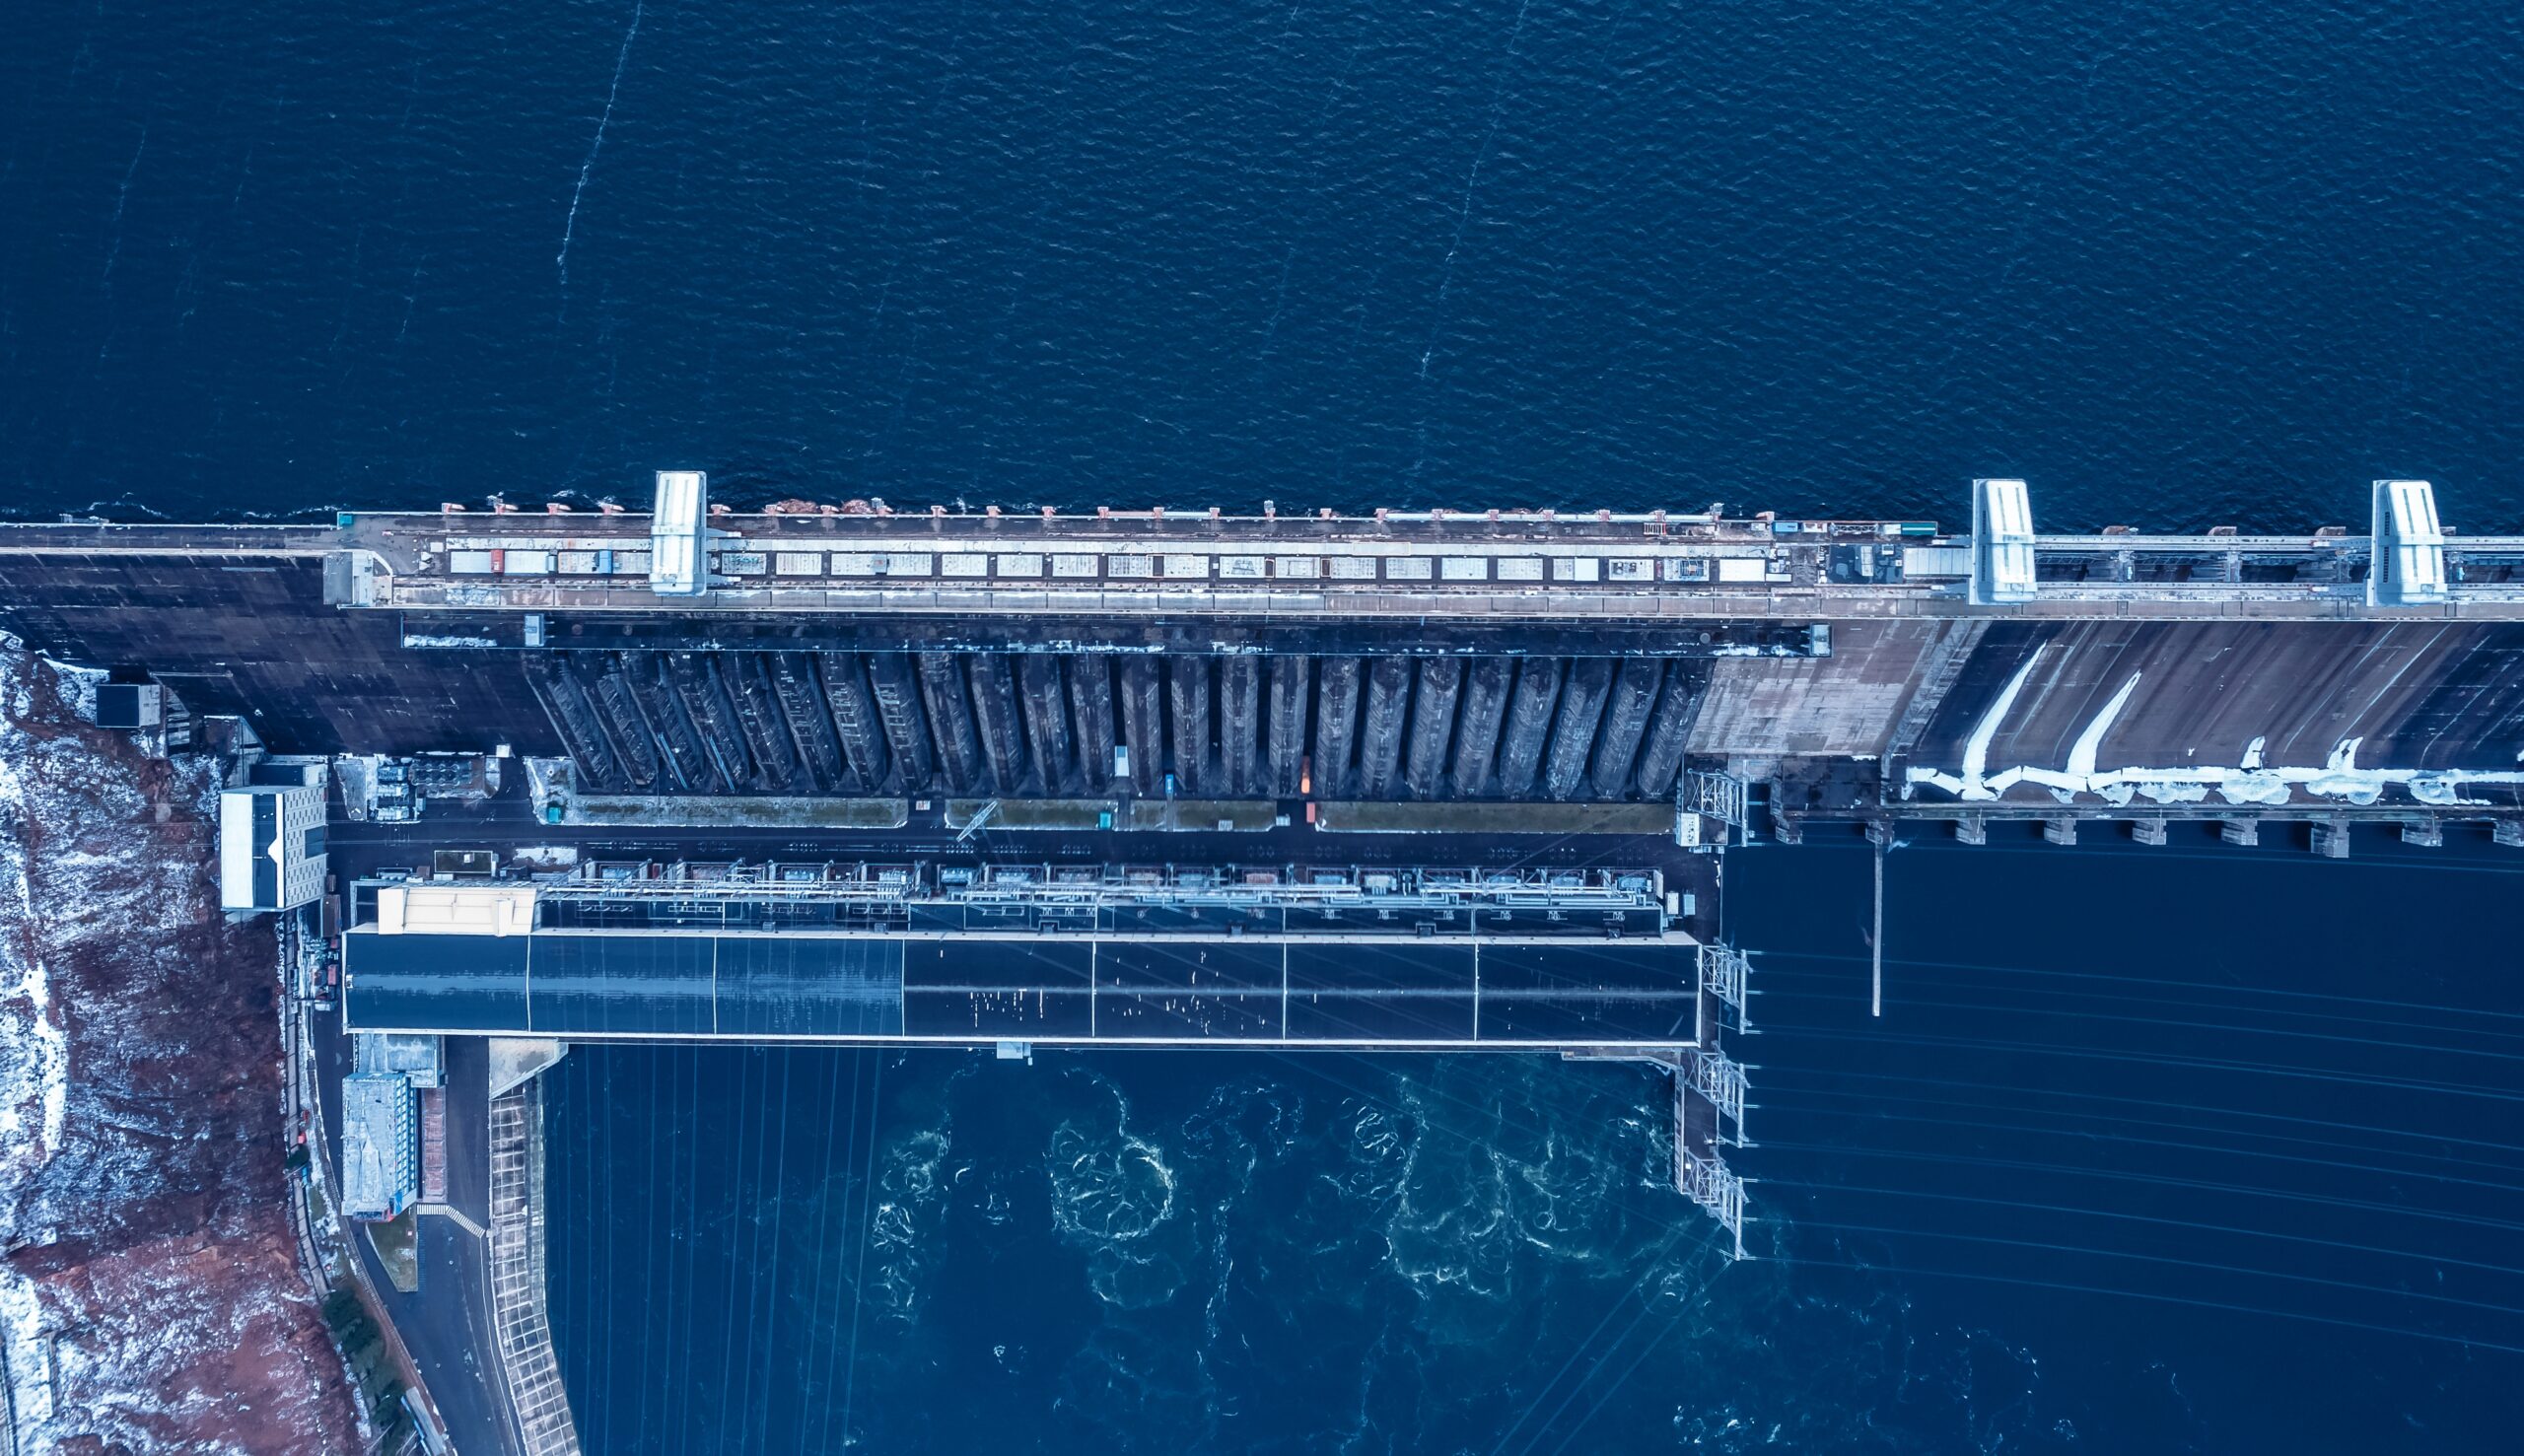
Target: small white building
[(678, 532), (395, 1054), (380, 1144), (271, 846)]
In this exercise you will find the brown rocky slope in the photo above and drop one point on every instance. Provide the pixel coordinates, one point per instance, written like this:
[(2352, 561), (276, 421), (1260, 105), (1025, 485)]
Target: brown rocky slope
[(151, 1299)]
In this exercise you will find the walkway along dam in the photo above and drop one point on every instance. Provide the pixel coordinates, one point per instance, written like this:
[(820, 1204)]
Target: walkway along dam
[(1424, 780)]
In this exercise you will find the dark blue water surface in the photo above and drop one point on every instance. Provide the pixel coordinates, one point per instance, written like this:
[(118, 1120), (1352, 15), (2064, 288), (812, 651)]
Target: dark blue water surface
[(2154, 1150), (2172, 1149), (2172, 263)]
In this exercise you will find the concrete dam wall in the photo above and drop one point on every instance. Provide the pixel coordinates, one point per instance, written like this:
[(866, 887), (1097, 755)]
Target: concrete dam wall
[(1493, 725)]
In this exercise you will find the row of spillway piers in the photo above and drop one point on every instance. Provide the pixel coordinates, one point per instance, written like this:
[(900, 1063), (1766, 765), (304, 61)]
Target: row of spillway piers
[(1034, 722)]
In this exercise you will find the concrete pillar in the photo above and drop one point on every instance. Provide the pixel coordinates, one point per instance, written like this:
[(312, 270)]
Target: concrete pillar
[(1626, 715), (1144, 724), (712, 717), (574, 715), (2508, 832), (801, 701), (998, 720), (628, 726), (1573, 730), (1290, 677), (1528, 733), (1047, 741), (1091, 700), (1433, 723), (2428, 834), (1972, 829), (1335, 725), (2331, 838), (950, 719), (1188, 690), (1240, 723), (1879, 831), (1485, 708), (691, 766), (1669, 729), (1380, 740), (894, 685), (1788, 828), (855, 721), (748, 684), (2148, 831), (2245, 832), (2060, 830)]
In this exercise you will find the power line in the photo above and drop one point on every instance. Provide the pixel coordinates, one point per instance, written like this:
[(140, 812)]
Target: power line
[(2158, 1179), (1875, 1097), (1871, 1191), (1916, 1271), (2209, 1265), (1772, 1076), (2214, 1063)]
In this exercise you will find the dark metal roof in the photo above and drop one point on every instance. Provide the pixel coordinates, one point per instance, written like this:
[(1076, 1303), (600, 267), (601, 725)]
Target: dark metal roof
[(1363, 990)]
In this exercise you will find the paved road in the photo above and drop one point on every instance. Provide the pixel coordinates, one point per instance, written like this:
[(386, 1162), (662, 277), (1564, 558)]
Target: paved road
[(447, 1325)]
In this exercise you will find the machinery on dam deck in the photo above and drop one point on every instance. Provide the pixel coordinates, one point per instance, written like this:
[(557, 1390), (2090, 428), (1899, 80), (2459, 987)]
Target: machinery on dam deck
[(1468, 566)]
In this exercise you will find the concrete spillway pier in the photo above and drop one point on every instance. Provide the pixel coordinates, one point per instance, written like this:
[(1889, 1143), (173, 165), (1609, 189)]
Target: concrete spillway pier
[(1091, 695), (1335, 725), (1433, 725), (809, 716), (695, 771), (950, 713), (895, 687), (1485, 709), (1187, 686), (1633, 697), (1572, 732), (997, 723), (855, 721), (1529, 713), (1291, 681), (746, 683), (1240, 723), (1382, 737), (1144, 724), (627, 725), (1048, 734)]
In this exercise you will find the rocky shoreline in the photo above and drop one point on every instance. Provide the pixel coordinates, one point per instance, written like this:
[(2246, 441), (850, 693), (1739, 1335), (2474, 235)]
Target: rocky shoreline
[(151, 1295)]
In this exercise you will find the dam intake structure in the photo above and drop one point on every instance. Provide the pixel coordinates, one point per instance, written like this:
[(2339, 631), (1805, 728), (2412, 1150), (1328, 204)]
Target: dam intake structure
[(1040, 723)]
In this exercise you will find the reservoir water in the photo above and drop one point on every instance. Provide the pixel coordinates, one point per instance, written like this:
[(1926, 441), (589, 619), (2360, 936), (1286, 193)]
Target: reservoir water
[(2191, 1149)]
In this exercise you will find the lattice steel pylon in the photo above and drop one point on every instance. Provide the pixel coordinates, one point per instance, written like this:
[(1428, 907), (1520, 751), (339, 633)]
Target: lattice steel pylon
[(1727, 973), (1722, 1082), (1721, 796), (1705, 1180), (1709, 1098)]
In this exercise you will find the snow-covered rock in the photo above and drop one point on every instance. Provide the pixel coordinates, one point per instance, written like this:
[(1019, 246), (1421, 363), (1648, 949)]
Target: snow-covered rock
[(150, 1297)]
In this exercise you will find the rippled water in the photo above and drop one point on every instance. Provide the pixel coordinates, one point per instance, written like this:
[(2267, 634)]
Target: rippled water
[(2175, 264), (2178, 266), (2148, 1154)]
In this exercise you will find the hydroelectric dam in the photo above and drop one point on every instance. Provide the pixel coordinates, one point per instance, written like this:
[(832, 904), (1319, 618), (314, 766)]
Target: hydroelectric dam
[(1429, 780)]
